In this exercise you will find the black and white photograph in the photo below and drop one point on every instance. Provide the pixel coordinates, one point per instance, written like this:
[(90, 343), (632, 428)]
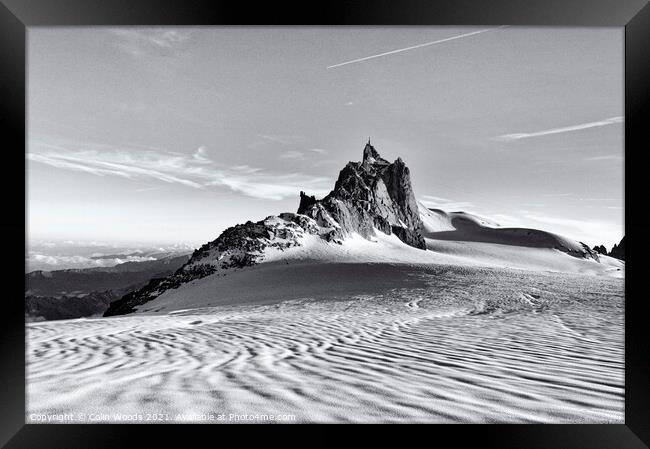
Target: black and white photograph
[(325, 224)]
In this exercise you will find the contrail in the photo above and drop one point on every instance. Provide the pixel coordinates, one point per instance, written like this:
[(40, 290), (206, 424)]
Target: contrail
[(608, 121), (415, 46)]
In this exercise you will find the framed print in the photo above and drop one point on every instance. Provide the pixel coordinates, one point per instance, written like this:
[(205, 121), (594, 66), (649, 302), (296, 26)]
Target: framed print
[(352, 213)]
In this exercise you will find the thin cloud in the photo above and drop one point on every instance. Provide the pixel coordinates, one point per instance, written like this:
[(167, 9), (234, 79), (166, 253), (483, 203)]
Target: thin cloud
[(592, 231), (247, 169), (610, 157), (568, 222), (139, 41), (505, 220), (100, 165), (295, 154), (600, 199), (445, 204), (194, 170), (292, 154), (557, 194), (274, 187), (148, 189), (57, 261), (282, 139), (573, 196), (426, 44), (201, 155), (517, 136)]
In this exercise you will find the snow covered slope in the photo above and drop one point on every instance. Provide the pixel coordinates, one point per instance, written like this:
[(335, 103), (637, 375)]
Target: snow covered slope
[(486, 243), (461, 226)]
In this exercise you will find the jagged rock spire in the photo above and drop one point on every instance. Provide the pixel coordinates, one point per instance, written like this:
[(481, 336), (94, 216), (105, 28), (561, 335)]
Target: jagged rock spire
[(370, 152), (305, 202), (618, 251), (368, 195)]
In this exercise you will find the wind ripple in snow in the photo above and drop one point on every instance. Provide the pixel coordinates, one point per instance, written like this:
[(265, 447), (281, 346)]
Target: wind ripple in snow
[(519, 348)]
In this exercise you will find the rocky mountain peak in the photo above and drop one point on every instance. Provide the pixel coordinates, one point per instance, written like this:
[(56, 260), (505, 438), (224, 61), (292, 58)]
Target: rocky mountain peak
[(368, 195)]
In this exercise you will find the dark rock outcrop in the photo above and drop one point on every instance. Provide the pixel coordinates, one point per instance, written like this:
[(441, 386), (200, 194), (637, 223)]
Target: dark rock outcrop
[(305, 202), (586, 252), (41, 308), (237, 247), (600, 249), (618, 251)]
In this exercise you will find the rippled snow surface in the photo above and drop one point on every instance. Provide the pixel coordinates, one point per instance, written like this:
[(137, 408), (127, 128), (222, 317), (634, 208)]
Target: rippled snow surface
[(466, 345)]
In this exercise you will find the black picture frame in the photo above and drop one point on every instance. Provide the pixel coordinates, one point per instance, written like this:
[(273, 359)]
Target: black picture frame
[(17, 15)]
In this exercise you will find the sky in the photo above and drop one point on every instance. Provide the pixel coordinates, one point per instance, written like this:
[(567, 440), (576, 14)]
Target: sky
[(170, 135)]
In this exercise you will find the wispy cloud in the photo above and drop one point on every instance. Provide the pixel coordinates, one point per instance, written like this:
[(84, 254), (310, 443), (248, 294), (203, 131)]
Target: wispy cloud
[(569, 222), (600, 199), (139, 41), (296, 154), (609, 157), (247, 169), (575, 197), (557, 194), (201, 155), (54, 262), (505, 220), (102, 164), (292, 154), (445, 204), (282, 139), (517, 136), (194, 170), (426, 44), (592, 231), (148, 189)]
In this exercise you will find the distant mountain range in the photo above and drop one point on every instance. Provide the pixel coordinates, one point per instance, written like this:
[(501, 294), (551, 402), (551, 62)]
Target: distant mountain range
[(74, 293), (371, 216)]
